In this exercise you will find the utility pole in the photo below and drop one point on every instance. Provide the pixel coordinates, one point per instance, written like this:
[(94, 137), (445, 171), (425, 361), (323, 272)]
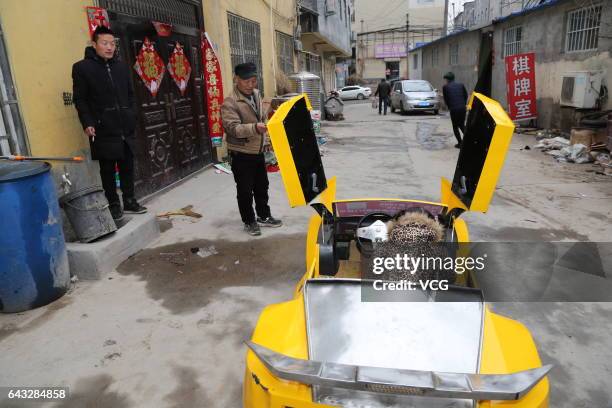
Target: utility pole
[(445, 29), (407, 45)]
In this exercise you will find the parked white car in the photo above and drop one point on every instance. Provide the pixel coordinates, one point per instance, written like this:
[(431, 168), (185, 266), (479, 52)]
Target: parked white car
[(414, 95), (354, 92)]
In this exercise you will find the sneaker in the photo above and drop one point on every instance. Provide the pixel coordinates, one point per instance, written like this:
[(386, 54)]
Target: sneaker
[(131, 206), (252, 229), (269, 222), (116, 213)]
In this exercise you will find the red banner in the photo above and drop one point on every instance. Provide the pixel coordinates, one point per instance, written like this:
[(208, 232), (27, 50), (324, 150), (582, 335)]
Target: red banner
[(214, 89), (96, 16), (521, 86)]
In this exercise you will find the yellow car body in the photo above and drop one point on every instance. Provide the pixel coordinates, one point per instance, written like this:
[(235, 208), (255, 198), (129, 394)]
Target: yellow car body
[(506, 345)]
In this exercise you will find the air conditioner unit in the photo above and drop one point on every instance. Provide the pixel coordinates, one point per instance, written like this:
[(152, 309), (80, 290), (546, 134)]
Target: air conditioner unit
[(581, 89), (297, 45)]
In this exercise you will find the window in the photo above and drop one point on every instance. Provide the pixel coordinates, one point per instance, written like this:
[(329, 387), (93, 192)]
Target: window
[(310, 62), (434, 56), (284, 52), (415, 61), (453, 54), (512, 41), (582, 30), (245, 44), (398, 86)]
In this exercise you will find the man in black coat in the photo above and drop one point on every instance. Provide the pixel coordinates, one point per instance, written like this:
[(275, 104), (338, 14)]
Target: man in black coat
[(455, 97), (383, 91), (104, 99)]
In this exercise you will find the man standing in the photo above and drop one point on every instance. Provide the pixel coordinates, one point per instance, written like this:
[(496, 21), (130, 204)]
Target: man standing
[(383, 91), (104, 99), (243, 115), (455, 97)]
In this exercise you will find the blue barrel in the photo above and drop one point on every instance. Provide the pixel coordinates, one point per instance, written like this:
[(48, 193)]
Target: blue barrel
[(33, 260)]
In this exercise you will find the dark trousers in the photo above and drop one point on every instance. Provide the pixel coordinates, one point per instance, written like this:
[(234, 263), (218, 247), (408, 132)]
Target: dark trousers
[(126, 176), (251, 178), (383, 101), (458, 120)]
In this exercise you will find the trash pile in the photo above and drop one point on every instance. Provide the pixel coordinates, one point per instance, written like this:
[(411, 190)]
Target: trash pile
[(562, 151)]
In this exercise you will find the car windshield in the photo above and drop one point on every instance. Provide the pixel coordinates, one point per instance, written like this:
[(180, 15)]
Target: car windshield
[(417, 87)]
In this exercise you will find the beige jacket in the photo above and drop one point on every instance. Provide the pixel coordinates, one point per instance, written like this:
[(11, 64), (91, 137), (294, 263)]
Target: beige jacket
[(239, 120)]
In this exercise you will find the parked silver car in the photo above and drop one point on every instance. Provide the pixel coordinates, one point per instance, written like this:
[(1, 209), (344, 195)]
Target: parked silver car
[(414, 95)]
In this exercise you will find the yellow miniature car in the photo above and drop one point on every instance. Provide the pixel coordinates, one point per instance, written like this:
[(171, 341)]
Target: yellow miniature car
[(330, 347)]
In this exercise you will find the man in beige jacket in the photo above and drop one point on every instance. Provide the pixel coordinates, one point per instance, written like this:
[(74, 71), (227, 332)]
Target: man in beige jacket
[(243, 118)]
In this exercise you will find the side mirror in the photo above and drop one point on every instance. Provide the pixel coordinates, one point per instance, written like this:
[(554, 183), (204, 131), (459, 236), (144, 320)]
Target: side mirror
[(436, 90)]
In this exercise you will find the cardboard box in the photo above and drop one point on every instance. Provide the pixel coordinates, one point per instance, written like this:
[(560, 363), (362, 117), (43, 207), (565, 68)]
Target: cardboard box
[(588, 136)]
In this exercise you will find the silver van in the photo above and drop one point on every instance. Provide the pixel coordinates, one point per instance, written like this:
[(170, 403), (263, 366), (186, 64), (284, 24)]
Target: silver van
[(414, 95)]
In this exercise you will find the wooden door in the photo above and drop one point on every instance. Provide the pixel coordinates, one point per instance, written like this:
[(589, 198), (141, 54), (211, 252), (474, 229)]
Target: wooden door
[(171, 136)]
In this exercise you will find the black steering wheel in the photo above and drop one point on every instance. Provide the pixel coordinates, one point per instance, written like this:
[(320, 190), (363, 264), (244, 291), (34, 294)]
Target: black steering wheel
[(374, 231)]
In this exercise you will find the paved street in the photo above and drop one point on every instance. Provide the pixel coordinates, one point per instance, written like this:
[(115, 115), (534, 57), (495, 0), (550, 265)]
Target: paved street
[(166, 329)]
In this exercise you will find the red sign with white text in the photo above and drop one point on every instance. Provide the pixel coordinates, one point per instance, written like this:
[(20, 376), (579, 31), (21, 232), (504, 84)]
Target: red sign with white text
[(214, 89), (521, 86)]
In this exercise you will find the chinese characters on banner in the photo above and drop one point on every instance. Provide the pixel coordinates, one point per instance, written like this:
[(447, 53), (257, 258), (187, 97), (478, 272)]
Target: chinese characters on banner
[(214, 89), (521, 86), (96, 16)]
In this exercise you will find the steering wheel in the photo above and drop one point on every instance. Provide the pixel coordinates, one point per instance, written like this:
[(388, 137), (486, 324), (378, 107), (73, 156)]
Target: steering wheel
[(375, 231)]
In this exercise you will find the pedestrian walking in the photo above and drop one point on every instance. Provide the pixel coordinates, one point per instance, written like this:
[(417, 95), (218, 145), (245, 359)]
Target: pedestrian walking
[(243, 116), (383, 91), (455, 97), (104, 99)]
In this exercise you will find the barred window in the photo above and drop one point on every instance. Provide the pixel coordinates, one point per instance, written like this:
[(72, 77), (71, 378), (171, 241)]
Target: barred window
[(310, 62), (245, 44), (284, 52), (453, 54), (512, 41), (582, 30)]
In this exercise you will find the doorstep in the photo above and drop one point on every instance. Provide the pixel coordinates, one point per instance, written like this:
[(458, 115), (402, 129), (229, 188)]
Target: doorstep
[(94, 260)]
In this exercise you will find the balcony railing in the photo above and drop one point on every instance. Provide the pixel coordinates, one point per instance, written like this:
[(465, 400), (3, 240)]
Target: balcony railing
[(310, 5)]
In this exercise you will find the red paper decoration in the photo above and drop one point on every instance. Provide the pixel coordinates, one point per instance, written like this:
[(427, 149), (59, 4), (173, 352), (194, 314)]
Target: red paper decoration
[(150, 67), (214, 89), (96, 16), (179, 68)]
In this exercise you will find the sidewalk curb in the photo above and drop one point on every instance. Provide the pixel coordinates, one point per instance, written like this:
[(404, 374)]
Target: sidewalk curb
[(94, 260)]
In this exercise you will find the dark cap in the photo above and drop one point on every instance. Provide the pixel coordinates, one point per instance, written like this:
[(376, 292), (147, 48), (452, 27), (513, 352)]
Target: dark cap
[(246, 70), (450, 76)]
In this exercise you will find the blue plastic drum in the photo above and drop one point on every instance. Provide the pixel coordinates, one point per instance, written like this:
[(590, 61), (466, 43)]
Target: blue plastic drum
[(33, 261)]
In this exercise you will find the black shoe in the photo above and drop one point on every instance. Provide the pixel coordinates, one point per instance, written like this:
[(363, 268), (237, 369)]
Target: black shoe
[(458, 145), (269, 222), (131, 206), (115, 210), (252, 229)]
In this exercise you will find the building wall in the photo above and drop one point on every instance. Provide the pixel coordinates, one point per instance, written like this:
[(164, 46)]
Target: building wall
[(42, 44), (381, 14), (426, 18), (466, 68), (283, 19), (336, 27), (543, 32)]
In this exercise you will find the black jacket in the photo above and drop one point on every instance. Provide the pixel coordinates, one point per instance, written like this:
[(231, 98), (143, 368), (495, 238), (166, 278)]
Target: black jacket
[(104, 98), (455, 96), (383, 90)]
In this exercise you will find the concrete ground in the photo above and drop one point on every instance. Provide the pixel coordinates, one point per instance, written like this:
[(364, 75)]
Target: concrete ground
[(166, 328)]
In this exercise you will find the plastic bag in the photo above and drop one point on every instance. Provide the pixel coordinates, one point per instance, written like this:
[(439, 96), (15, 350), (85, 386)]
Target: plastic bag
[(374, 103)]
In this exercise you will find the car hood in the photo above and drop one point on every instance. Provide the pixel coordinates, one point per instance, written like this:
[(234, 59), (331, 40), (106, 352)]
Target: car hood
[(414, 332), (420, 95)]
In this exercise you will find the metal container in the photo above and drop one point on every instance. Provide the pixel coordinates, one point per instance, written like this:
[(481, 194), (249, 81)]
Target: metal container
[(88, 212), (34, 267), (308, 83)]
